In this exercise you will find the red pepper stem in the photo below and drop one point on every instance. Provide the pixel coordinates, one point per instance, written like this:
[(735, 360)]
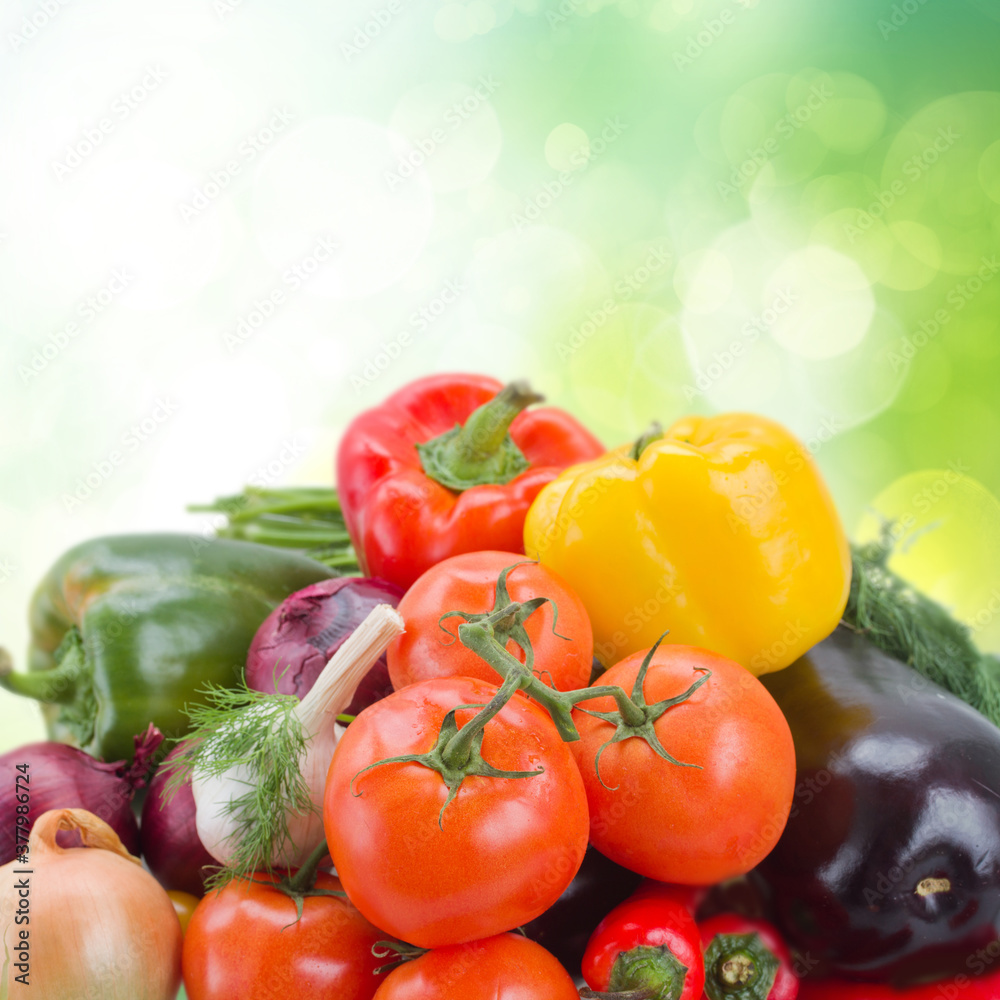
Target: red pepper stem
[(481, 451)]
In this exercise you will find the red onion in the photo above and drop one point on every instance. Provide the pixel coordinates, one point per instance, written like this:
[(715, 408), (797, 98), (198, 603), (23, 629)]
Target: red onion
[(170, 841), (297, 639), (63, 777)]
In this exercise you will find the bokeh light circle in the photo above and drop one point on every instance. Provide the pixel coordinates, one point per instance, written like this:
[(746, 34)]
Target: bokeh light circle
[(946, 534), (567, 147), (793, 332), (829, 303), (452, 132), (340, 180), (933, 175)]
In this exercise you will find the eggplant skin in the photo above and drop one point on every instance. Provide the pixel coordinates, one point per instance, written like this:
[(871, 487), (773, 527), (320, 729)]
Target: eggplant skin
[(889, 866)]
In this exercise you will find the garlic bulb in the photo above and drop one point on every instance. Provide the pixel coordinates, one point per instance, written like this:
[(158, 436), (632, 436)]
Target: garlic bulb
[(222, 829)]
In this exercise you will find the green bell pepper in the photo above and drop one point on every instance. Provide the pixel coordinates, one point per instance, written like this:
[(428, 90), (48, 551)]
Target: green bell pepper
[(126, 630)]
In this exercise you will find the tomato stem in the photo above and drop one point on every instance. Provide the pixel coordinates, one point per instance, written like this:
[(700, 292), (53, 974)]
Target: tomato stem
[(457, 752)]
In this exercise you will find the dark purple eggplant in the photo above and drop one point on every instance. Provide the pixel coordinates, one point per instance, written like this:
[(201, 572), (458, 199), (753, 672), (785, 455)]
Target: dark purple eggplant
[(565, 927), (889, 867)]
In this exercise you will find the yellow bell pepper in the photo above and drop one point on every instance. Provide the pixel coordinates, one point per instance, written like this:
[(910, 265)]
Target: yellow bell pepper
[(721, 531)]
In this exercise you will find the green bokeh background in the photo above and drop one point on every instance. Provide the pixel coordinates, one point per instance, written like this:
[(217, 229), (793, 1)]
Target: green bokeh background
[(646, 207)]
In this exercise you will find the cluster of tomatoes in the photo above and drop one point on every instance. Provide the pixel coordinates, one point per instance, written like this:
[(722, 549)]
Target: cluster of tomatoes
[(451, 827)]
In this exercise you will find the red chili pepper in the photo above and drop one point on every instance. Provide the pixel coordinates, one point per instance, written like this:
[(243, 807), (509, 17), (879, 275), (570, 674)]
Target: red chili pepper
[(689, 896), (648, 947), (960, 987), (449, 464), (746, 959)]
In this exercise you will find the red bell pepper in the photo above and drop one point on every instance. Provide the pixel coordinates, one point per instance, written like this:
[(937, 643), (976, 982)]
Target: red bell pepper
[(449, 464), (746, 958), (647, 946)]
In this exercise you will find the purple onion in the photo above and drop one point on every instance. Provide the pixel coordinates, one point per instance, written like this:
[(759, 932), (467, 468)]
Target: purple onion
[(298, 638), (63, 777), (170, 842)]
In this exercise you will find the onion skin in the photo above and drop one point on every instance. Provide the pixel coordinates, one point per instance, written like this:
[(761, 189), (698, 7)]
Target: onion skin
[(100, 925), (170, 843), (63, 777), (297, 639)]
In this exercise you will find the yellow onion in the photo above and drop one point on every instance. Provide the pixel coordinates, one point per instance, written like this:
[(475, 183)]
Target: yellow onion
[(85, 922)]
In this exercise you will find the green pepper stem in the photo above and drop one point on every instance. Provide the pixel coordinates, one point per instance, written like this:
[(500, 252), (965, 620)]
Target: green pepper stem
[(652, 433), (56, 686), (486, 428), (480, 451)]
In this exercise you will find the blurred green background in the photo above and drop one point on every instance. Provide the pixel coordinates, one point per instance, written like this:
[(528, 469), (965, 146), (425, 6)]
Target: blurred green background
[(225, 227)]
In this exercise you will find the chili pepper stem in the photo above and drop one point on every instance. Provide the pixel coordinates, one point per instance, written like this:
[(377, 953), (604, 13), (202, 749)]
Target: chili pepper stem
[(739, 963), (480, 451)]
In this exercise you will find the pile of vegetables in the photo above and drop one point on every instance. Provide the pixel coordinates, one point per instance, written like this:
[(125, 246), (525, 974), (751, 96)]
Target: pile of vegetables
[(507, 716)]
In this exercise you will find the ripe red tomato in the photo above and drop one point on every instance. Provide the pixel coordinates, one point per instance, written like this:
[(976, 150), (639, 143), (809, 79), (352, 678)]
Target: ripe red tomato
[(689, 824), (468, 583), (505, 967), (505, 848), (245, 942)]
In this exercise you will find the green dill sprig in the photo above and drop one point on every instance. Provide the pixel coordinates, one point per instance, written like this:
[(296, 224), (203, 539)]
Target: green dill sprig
[(911, 627), (255, 740)]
